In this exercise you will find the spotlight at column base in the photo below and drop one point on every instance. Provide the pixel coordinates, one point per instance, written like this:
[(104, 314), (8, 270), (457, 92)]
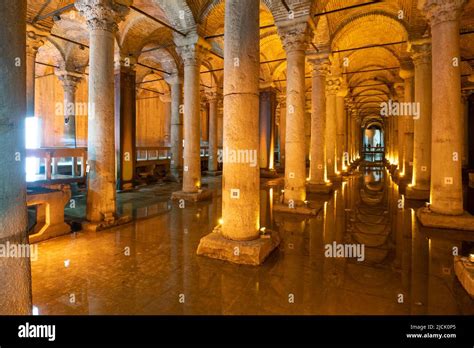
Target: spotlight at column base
[(252, 252), (305, 209), (416, 194), (201, 195), (93, 226), (453, 222), (319, 188)]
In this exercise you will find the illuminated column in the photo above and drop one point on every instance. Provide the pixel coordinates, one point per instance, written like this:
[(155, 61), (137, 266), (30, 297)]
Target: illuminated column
[(212, 99), (465, 127), (267, 131), (176, 163), (192, 49), (295, 40), (238, 238), (15, 284), (407, 75), (281, 99), (34, 40), (125, 122), (340, 129), (420, 188), (102, 17), (332, 87), (446, 195), (317, 181), (400, 126), (70, 81)]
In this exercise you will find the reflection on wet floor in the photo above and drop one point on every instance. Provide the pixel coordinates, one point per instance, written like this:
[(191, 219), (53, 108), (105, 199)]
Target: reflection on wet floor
[(150, 266)]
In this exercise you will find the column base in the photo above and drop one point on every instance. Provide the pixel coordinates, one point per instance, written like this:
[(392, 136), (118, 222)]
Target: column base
[(213, 172), (465, 272), (298, 209), (415, 194), (252, 252), (453, 222), (90, 226), (268, 173), (201, 195), (319, 188)]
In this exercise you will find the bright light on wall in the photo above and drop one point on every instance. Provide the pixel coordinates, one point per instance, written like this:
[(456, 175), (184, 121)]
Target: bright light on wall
[(32, 142)]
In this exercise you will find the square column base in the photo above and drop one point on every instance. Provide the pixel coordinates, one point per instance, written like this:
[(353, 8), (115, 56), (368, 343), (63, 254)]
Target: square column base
[(103, 225), (419, 195), (453, 222), (465, 272), (298, 209), (50, 231), (319, 188), (213, 172), (198, 196), (252, 252)]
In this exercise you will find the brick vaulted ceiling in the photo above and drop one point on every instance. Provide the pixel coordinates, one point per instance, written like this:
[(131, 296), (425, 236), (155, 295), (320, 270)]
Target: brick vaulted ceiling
[(152, 43)]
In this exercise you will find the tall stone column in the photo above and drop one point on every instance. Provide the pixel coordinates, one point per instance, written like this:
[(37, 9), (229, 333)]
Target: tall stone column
[(332, 87), (238, 238), (125, 123), (281, 109), (420, 187), (295, 39), (34, 40), (407, 75), (165, 98), (212, 98), (398, 96), (15, 284), (102, 17), (446, 195), (69, 80), (340, 129), (465, 127), (192, 49), (318, 181), (176, 163), (267, 132)]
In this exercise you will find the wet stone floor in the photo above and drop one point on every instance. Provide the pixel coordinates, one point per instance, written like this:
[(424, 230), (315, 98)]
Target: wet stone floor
[(150, 265)]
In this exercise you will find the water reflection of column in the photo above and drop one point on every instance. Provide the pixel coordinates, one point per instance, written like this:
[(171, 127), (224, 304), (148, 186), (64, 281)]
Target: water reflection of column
[(293, 268), (316, 256), (419, 269)]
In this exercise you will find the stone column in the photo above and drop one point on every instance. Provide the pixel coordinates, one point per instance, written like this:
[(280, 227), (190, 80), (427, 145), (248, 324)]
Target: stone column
[(465, 127), (332, 87), (317, 181), (295, 40), (176, 163), (446, 193), (420, 187), (101, 17), (15, 284), (212, 100), (267, 132), (165, 98), (241, 178), (192, 49), (340, 129), (34, 40), (399, 90), (125, 123), (70, 81), (407, 75), (281, 100)]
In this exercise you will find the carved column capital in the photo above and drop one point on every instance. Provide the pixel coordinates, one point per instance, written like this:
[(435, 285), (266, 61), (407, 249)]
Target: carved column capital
[(438, 11), (320, 66), (69, 80), (211, 95), (295, 37), (35, 38), (103, 14), (333, 84), (420, 52)]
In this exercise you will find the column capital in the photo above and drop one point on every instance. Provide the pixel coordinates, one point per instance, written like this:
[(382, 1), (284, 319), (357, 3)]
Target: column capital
[(295, 37), (174, 79), (211, 95), (333, 84), (406, 70), (69, 79), (420, 51), (192, 49), (103, 14), (320, 63), (35, 38), (438, 11), (399, 89)]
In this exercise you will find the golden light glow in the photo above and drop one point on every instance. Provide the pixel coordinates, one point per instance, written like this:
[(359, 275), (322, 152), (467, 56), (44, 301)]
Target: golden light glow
[(471, 257), (221, 221)]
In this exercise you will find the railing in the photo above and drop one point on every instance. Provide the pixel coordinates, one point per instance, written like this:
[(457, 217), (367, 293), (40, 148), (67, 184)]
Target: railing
[(52, 157), (150, 153)]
